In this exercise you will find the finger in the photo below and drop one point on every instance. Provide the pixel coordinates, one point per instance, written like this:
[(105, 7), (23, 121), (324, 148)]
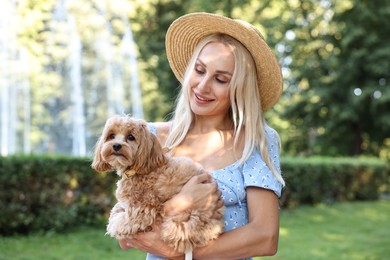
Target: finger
[(203, 178), (220, 204), (213, 187), (217, 215), (125, 244), (219, 193), (129, 245)]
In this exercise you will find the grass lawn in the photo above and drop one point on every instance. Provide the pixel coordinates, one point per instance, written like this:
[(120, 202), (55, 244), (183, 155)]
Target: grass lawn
[(358, 230), (353, 231)]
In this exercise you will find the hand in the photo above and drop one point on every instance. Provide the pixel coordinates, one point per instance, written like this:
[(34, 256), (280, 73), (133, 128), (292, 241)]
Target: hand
[(150, 242), (200, 193)]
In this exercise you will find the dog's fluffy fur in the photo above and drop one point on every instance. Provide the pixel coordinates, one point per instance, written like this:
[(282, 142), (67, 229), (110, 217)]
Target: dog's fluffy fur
[(149, 178)]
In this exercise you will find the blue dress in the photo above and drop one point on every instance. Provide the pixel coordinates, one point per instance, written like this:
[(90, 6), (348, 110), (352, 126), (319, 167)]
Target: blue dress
[(234, 179)]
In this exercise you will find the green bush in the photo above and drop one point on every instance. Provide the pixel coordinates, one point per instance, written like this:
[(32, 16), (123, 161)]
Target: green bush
[(324, 180), (40, 193), (52, 193)]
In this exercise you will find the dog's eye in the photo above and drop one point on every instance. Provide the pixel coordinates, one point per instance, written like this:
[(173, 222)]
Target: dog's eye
[(111, 136), (130, 138)]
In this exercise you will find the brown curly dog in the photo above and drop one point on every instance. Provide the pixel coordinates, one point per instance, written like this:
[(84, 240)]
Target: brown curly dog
[(149, 178)]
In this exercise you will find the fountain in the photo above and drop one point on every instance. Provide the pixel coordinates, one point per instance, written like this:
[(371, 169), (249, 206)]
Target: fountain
[(74, 74), (78, 140), (25, 85), (7, 130), (128, 51)]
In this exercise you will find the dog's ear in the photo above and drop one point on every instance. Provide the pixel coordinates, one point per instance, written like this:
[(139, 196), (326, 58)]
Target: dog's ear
[(150, 154), (98, 163)]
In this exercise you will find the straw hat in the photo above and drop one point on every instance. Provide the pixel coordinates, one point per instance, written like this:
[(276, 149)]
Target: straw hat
[(186, 32)]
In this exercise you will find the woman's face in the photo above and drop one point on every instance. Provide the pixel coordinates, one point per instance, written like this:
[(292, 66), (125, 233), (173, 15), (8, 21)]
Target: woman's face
[(210, 79)]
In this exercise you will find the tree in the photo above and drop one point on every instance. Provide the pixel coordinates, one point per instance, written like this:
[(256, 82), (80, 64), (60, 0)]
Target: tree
[(364, 76), (339, 59)]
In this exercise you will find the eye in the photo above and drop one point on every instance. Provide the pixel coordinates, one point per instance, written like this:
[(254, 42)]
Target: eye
[(222, 81), (130, 138), (111, 136), (199, 69)]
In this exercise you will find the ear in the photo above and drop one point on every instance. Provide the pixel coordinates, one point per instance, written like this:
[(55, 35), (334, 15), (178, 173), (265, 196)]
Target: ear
[(98, 163), (150, 154)]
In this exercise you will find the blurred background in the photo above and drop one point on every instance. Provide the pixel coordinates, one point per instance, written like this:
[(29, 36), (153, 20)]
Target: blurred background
[(66, 65)]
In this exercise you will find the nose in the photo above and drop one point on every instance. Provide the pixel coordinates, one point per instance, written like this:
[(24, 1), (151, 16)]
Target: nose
[(204, 85), (117, 147)]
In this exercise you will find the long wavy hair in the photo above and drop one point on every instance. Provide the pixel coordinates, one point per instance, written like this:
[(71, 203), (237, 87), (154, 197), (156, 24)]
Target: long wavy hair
[(245, 112)]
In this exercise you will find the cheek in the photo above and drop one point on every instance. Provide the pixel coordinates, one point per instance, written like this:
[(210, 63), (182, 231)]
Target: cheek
[(225, 98), (223, 94), (193, 80)]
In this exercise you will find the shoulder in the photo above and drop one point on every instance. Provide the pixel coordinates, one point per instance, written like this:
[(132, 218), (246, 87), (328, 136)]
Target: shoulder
[(257, 173), (161, 130), (271, 133)]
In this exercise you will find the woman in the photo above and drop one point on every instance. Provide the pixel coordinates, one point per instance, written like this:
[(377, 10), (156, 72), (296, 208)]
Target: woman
[(229, 77)]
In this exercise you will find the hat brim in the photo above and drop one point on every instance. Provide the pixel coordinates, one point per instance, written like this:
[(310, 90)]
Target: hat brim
[(186, 32)]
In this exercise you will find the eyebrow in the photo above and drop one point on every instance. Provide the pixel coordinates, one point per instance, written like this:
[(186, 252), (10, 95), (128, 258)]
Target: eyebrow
[(218, 71)]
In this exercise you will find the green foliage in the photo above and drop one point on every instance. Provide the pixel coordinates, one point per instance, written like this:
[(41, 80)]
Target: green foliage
[(323, 46), (335, 57), (338, 94), (364, 72), (325, 180), (52, 193), (40, 193)]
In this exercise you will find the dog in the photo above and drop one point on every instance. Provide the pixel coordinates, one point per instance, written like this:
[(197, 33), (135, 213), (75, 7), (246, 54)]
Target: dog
[(149, 178)]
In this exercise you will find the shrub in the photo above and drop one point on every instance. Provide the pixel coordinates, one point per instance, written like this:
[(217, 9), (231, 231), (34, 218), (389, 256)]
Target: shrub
[(324, 179), (40, 193), (51, 193)]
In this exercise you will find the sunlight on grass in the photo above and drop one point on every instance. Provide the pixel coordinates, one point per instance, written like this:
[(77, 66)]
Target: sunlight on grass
[(318, 218), (333, 237), (316, 252), (283, 232), (357, 231), (373, 214)]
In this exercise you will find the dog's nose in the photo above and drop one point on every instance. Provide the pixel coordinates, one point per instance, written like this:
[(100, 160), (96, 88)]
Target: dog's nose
[(116, 147)]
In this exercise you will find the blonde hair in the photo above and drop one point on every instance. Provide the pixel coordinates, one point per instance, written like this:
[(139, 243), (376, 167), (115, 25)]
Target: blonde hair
[(246, 112)]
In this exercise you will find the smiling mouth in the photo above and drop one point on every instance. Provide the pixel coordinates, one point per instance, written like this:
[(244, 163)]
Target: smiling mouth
[(202, 99)]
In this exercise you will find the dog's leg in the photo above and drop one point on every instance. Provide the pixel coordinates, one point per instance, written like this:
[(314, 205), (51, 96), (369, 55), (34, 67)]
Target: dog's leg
[(116, 217)]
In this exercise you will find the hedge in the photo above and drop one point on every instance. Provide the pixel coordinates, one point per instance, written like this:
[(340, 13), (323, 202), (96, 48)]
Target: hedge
[(40, 193), (52, 193), (325, 180)]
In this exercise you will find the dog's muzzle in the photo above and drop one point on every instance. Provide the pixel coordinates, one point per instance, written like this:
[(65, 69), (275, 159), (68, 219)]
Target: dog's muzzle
[(116, 147)]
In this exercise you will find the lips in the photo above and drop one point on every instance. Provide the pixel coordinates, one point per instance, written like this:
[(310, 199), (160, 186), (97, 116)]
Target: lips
[(202, 99)]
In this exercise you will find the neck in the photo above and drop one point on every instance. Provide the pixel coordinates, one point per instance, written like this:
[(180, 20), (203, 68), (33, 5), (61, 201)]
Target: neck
[(207, 124)]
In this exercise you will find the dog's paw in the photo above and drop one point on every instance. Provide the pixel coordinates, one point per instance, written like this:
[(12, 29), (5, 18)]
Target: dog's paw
[(114, 223), (184, 233), (121, 226)]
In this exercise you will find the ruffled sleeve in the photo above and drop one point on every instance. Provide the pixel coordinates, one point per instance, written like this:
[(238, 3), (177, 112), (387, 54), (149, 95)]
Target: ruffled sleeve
[(152, 128), (256, 172)]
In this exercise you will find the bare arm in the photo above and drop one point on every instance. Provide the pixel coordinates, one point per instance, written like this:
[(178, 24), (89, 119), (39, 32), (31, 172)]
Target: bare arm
[(258, 238)]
